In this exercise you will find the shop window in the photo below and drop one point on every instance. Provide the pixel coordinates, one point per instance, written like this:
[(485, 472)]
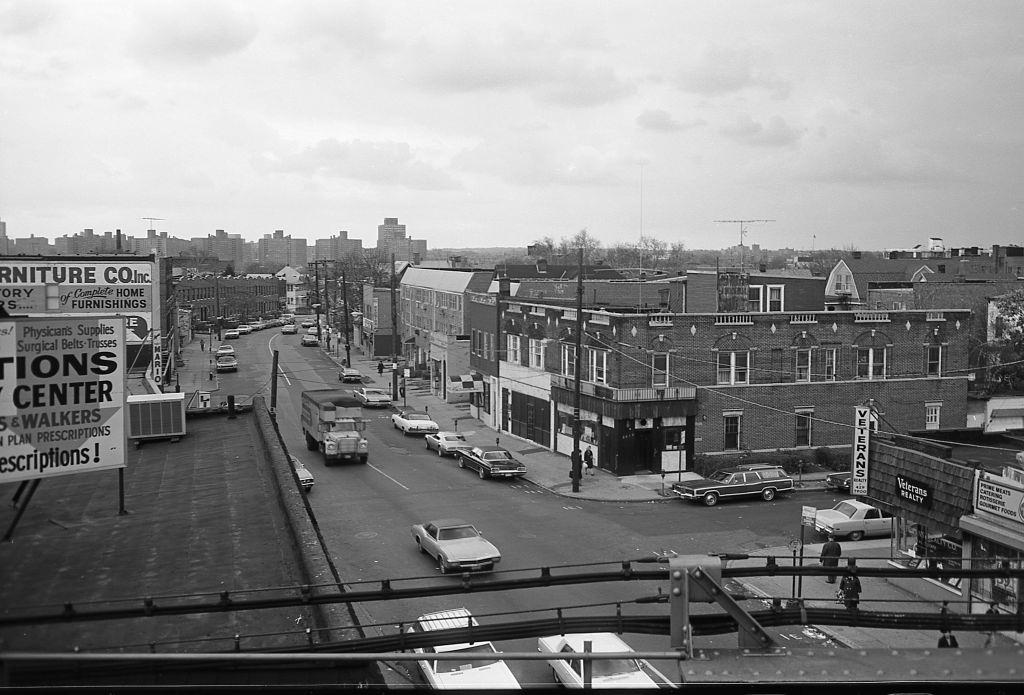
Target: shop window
[(1003, 591), (871, 363), (804, 419), (732, 367), (588, 428), (803, 364), (932, 413), (732, 430), (933, 360), (659, 369)]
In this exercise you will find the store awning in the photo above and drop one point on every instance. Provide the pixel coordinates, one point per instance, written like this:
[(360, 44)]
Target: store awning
[(1003, 419), (978, 526), (466, 383)]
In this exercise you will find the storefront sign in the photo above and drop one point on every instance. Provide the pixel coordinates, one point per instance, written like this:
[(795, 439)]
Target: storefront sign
[(807, 515), (61, 396), (861, 439), (914, 491), (1002, 500)]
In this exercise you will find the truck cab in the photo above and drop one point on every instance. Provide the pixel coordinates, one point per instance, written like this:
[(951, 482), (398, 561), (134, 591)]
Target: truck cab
[(332, 423)]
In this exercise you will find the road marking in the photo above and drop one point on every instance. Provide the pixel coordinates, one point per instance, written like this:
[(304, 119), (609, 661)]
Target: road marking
[(571, 507), (270, 347), (387, 476)]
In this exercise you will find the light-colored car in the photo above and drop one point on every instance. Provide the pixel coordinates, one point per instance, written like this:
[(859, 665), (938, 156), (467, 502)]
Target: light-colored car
[(349, 375), (854, 520), (491, 462), (414, 422), (313, 330), (226, 350), (447, 443), (244, 329), (309, 341), (373, 398), (289, 329), (605, 673), (302, 473), (227, 363), (258, 325), (455, 545), (231, 334), (308, 323), (480, 670)]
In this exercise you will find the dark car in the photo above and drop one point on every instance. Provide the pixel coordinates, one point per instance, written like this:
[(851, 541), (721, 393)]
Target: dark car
[(840, 482), (491, 462), (749, 480)]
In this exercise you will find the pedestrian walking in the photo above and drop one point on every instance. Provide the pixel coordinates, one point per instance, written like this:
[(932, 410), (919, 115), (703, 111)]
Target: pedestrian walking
[(991, 634), (831, 551), (380, 367), (202, 346), (849, 589), (588, 458), (948, 640)]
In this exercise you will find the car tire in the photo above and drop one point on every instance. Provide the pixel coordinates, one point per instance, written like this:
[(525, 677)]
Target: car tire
[(856, 536), (482, 473), (768, 494), (364, 458), (710, 499), (439, 454), (442, 566), (462, 462), (419, 546), (428, 445)]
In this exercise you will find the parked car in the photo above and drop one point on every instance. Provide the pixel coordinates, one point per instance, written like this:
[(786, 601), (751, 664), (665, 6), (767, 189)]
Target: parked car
[(244, 329), (491, 462), (258, 325), (289, 329), (302, 473), (226, 350), (455, 545), (605, 673), (853, 520), (308, 323), (231, 335), (227, 363), (447, 443), (309, 341), (840, 482), (480, 670), (748, 480), (413, 422), (313, 330), (372, 398), (348, 374)]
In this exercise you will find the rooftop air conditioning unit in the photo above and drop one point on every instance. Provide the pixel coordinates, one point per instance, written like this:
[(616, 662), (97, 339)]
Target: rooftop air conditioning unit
[(156, 416)]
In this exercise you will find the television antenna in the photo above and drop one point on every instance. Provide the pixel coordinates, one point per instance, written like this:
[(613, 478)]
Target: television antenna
[(743, 232), (151, 220)]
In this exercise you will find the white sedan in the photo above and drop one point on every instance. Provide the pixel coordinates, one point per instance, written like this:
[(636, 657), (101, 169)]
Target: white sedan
[(226, 350), (414, 422), (605, 673), (477, 669), (447, 443), (456, 545), (372, 398)]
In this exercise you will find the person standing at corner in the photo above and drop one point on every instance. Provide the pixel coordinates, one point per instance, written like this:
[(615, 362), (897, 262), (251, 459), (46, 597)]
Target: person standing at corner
[(588, 459), (831, 551), (990, 636), (380, 367), (850, 588)]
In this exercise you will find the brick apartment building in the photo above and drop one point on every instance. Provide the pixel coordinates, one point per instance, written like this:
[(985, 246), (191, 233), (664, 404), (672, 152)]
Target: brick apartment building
[(659, 388)]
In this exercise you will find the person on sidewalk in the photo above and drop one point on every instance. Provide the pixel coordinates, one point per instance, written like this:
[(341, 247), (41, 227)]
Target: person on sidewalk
[(831, 551), (948, 640), (202, 346), (849, 588), (380, 368), (990, 636), (588, 458)]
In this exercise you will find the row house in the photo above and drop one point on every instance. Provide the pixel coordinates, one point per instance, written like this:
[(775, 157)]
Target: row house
[(659, 388), (434, 330), (373, 324), (238, 298)]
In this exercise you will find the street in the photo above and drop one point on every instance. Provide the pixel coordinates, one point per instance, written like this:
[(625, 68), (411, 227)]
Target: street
[(365, 513)]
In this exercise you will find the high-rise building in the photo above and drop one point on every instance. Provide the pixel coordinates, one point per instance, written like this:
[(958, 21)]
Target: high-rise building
[(391, 239), (336, 248), (224, 247), (280, 250)]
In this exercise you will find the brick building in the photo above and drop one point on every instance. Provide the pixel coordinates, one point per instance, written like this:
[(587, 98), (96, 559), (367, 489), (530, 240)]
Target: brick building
[(241, 298)]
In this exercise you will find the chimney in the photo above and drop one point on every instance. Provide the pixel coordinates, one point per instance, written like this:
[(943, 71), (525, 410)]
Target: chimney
[(762, 268)]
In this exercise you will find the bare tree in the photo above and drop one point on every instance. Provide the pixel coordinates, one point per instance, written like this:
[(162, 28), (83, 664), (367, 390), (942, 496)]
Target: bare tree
[(568, 246)]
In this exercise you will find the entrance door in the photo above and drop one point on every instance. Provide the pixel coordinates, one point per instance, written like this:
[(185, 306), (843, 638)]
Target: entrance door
[(506, 406)]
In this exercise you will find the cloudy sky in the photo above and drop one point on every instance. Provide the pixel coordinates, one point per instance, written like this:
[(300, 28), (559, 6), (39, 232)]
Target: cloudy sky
[(485, 123)]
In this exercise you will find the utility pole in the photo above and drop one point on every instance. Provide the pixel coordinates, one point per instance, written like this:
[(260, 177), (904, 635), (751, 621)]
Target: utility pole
[(316, 291), (327, 305), (577, 458), (273, 387), (394, 334), (344, 299), (504, 289), (743, 231)]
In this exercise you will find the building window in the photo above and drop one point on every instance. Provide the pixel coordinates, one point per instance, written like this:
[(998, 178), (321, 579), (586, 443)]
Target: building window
[(513, 348), (803, 365), (871, 363), (830, 364), (775, 298), (598, 366), (659, 369), (536, 353), (754, 298), (732, 367), (487, 346), (569, 360), (732, 430), (933, 366), (803, 427), (932, 413)]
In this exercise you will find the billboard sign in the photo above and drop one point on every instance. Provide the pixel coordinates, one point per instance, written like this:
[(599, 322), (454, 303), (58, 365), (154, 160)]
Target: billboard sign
[(62, 391), (861, 440), (78, 287), (1001, 498)]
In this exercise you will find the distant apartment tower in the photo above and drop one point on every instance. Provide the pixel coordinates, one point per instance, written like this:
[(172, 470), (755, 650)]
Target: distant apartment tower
[(336, 248), (391, 239), (89, 242), (279, 250), (223, 247)]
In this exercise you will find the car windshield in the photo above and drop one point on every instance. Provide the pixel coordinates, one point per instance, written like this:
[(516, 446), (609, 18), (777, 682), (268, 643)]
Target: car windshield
[(456, 532), (416, 416), (226, 358), (454, 438), (456, 666), (371, 392), (615, 667), (498, 456), (845, 508), (722, 476)]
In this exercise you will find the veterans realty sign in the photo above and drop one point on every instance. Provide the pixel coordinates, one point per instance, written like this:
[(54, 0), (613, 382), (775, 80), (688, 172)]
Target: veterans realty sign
[(61, 396)]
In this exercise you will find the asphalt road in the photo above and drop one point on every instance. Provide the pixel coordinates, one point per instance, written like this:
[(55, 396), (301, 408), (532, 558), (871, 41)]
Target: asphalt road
[(365, 513)]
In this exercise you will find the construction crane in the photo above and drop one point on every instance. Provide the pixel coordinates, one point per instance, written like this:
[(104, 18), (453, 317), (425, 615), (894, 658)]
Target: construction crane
[(743, 232), (151, 220)]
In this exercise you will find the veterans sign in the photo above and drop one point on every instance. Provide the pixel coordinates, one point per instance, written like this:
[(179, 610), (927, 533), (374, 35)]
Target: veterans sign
[(861, 440), (61, 396)]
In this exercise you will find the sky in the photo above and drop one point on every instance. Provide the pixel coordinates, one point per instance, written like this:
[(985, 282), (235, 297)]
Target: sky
[(860, 125)]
